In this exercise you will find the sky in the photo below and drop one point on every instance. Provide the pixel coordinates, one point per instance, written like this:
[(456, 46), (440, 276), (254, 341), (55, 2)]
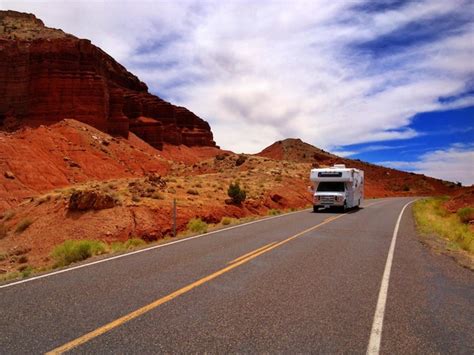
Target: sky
[(389, 81)]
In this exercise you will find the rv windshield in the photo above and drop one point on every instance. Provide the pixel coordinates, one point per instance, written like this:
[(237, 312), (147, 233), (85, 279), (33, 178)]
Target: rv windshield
[(330, 186)]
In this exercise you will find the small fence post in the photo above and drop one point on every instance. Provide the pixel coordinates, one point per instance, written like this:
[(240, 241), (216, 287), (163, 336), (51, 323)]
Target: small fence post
[(174, 218)]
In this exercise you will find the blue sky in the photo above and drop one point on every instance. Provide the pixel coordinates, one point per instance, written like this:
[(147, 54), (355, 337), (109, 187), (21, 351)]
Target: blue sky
[(390, 82)]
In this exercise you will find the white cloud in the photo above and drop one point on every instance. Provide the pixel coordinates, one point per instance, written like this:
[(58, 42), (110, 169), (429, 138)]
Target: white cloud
[(260, 71), (453, 164)]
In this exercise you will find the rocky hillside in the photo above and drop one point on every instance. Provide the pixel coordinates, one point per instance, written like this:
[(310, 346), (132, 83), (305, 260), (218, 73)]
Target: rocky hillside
[(380, 181), (294, 149), (47, 75), (36, 160)]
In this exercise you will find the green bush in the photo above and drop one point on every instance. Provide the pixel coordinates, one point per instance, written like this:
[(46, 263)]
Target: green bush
[(466, 214), (76, 250), (197, 225), (237, 194), (23, 225)]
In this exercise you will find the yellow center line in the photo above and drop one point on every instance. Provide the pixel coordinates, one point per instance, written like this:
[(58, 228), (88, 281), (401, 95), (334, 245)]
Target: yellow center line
[(251, 253), (137, 313)]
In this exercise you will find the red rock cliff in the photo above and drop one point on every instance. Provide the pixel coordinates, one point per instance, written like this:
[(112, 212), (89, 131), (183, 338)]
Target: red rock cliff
[(47, 75)]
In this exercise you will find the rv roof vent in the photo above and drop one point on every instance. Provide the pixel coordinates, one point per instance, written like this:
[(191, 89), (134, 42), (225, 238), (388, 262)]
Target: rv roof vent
[(339, 166)]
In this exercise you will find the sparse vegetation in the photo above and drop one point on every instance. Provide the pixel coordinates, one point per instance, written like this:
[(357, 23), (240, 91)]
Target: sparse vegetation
[(406, 188), (273, 212), (196, 225), (236, 194), (128, 245), (157, 196), (192, 192), (76, 250), (226, 221), (432, 218), (23, 225), (240, 160), (466, 214), (25, 270)]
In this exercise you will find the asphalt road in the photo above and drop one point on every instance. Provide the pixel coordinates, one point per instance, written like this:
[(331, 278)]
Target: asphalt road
[(315, 291)]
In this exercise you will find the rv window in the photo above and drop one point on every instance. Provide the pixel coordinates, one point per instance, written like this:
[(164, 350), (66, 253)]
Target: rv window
[(331, 186)]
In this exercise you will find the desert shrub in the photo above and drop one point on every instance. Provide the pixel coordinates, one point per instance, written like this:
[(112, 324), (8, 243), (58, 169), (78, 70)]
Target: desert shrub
[(3, 230), (237, 194), (22, 259), (3, 256), (76, 250), (226, 221), (220, 156), (134, 243), (197, 225), (136, 198), (157, 196), (25, 270), (23, 225), (406, 188), (466, 214), (273, 212), (192, 192), (240, 160)]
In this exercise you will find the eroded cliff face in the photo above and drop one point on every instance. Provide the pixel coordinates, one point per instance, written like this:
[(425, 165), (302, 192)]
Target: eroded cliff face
[(47, 75)]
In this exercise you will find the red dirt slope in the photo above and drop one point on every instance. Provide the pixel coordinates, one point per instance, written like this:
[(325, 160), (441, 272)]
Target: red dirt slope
[(380, 181)]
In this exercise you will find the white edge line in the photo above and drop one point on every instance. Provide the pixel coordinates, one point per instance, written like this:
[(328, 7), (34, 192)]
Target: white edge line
[(148, 249), (376, 332)]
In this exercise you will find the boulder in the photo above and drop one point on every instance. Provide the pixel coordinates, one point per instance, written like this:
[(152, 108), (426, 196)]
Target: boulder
[(91, 200)]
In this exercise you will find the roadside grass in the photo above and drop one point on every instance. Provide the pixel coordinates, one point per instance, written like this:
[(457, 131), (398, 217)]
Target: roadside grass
[(76, 250), (432, 218), (273, 212), (197, 225), (128, 245)]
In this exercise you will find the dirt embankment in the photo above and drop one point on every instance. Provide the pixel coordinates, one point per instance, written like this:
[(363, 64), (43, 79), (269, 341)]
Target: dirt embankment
[(40, 169)]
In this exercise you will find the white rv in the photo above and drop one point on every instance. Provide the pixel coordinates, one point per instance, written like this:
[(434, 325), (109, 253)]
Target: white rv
[(337, 186)]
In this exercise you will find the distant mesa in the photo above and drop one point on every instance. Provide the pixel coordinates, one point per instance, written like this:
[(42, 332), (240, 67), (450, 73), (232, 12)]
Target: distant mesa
[(47, 75)]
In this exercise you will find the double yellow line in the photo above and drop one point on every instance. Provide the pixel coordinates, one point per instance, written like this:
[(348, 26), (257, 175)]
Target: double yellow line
[(137, 313)]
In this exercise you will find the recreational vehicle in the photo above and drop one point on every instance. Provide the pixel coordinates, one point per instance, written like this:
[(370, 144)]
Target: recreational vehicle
[(337, 186)]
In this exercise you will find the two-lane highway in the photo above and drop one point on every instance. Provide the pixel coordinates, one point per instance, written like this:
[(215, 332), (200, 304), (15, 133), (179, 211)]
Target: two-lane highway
[(301, 282)]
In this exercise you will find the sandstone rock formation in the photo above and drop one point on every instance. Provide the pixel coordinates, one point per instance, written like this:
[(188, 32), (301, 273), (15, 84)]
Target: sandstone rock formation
[(47, 75)]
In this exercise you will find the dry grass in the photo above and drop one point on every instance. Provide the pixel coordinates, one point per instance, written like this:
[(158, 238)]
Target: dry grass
[(432, 218)]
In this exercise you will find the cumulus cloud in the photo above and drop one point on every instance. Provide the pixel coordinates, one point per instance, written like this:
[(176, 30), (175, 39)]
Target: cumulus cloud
[(453, 164)]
